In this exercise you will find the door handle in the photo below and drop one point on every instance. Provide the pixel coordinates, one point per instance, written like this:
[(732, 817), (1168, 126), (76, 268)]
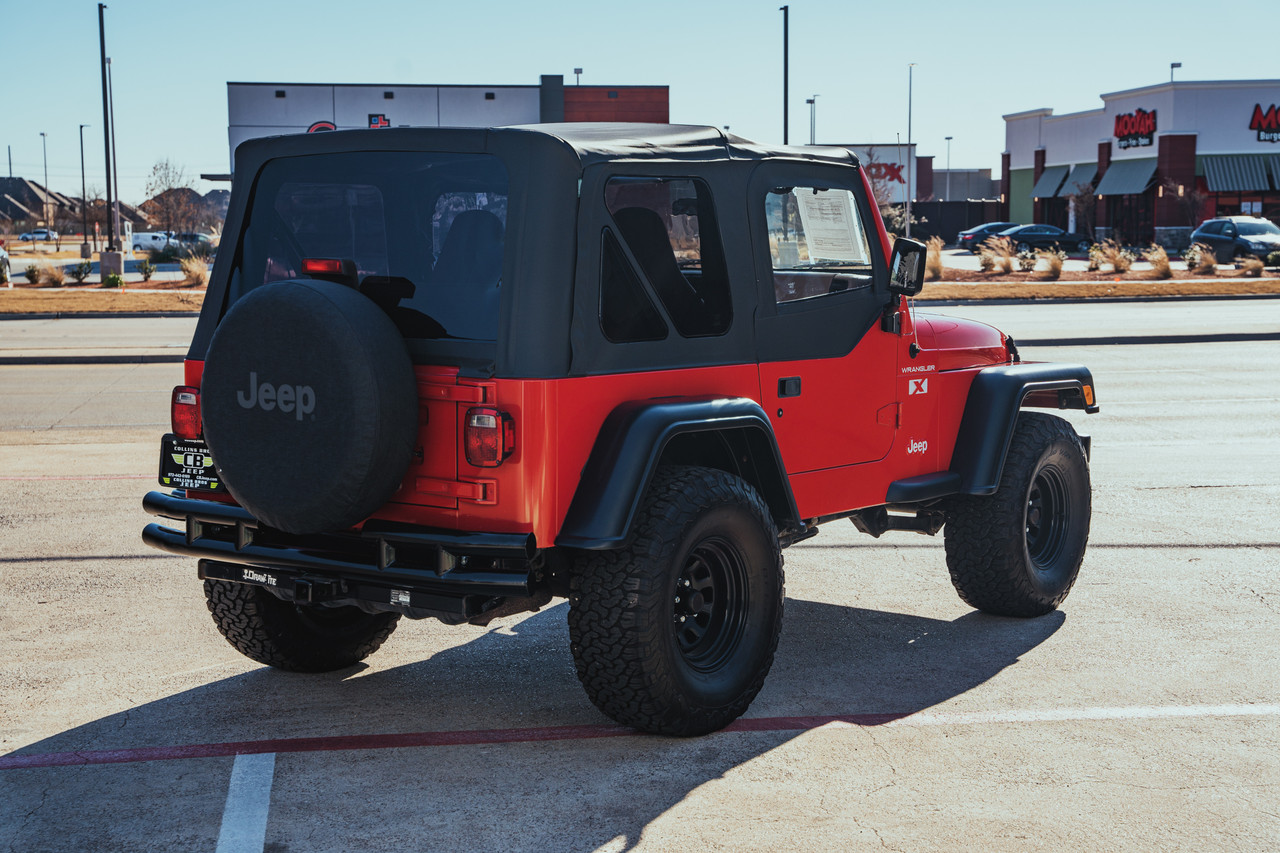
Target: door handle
[(789, 386)]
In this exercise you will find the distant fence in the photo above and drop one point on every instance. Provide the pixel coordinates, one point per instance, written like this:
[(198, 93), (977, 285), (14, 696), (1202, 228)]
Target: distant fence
[(946, 219)]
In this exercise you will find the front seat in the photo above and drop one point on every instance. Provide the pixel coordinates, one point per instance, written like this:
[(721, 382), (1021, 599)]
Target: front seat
[(467, 275)]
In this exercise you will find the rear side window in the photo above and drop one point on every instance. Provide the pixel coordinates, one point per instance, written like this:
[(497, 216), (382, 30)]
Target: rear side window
[(424, 230), (817, 242), (669, 226)]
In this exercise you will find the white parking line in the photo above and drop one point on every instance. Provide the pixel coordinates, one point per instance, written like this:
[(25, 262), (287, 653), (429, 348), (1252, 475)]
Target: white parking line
[(1058, 715), (244, 818)]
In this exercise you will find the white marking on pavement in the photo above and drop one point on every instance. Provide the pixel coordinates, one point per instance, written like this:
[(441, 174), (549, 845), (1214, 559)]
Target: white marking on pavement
[(244, 818)]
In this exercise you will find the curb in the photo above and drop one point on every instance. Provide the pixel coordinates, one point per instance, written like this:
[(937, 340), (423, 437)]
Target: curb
[(92, 359), (98, 315)]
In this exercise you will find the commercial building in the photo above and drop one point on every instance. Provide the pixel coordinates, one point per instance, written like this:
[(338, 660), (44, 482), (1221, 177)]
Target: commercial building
[(272, 109), (1149, 165)]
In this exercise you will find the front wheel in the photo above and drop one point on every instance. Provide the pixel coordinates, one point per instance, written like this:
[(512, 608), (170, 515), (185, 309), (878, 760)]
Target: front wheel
[(1083, 246), (293, 637), (1017, 552), (1023, 247), (675, 633)]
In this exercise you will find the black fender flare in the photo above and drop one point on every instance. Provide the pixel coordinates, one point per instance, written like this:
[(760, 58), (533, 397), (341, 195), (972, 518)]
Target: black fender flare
[(991, 411), (630, 445)]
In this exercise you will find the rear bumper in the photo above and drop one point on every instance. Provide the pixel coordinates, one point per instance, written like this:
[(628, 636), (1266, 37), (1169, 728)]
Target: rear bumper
[(413, 571)]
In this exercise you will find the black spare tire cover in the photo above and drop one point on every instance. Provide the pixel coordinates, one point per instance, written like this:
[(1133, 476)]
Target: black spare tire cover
[(310, 405)]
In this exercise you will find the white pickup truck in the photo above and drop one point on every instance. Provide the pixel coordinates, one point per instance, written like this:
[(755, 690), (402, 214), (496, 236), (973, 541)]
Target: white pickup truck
[(153, 240)]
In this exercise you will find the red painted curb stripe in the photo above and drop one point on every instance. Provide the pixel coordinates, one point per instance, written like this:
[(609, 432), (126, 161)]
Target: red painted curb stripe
[(410, 739)]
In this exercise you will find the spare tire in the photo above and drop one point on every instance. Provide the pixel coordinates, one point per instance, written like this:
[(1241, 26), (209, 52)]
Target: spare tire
[(310, 405)]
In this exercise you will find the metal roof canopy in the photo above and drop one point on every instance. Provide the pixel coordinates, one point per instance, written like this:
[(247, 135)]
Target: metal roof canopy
[(1050, 179), (1081, 176), (1127, 177), (1236, 172)]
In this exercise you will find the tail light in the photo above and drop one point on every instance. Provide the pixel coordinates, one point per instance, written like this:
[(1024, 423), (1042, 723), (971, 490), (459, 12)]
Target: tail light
[(184, 412), (489, 437)]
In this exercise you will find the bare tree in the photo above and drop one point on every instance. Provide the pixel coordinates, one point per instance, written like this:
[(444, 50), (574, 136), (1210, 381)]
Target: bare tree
[(1086, 207), (1191, 200), (170, 198)]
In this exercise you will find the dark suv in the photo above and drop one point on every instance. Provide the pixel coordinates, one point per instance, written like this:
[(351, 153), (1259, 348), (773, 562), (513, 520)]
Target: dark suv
[(1235, 237), (456, 373)]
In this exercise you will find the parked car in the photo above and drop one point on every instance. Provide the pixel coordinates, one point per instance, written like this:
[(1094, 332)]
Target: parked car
[(364, 434), (153, 240), (973, 238), (38, 234), (1028, 237), (194, 240), (1234, 237), (4, 259)]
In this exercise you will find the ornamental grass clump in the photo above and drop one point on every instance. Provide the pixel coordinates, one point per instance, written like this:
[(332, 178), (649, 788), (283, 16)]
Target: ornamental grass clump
[(1116, 256), (1053, 260), (1252, 267), (1159, 260), (933, 259), (52, 275), (1002, 252), (195, 271), (986, 258), (1201, 260)]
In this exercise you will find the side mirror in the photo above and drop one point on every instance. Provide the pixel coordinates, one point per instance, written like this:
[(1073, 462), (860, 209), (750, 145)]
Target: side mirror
[(906, 267)]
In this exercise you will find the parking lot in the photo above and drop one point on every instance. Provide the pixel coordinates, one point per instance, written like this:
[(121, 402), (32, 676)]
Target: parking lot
[(1144, 714)]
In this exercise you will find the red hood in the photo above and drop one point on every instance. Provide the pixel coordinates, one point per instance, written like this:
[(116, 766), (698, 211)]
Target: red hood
[(955, 343)]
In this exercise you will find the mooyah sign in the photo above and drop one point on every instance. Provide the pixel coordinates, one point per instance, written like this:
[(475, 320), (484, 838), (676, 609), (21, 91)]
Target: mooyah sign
[(1266, 123), (1136, 129)]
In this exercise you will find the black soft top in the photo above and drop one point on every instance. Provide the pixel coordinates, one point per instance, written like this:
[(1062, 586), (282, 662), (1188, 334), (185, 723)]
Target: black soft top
[(545, 163)]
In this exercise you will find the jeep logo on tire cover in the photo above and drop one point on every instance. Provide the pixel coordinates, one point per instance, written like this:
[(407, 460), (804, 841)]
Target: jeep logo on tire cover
[(299, 399)]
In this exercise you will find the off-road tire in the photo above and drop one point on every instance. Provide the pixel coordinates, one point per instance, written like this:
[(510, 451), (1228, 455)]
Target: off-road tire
[(292, 637), (1017, 552), (637, 661)]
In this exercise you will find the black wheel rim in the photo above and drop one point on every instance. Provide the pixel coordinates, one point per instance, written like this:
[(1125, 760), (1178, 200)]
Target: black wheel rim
[(710, 611), (1048, 517)]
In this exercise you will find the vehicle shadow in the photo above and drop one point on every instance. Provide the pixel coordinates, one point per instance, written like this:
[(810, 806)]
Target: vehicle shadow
[(535, 794)]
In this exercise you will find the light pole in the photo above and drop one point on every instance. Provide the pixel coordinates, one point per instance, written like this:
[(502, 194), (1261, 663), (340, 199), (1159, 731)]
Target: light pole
[(115, 162), (577, 76), (813, 119), (948, 168), (1173, 65), (106, 118), (786, 64), (44, 199), (911, 66), (84, 203)]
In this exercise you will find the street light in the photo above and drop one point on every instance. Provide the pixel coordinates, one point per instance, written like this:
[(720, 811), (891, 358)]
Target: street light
[(44, 199), (115, 161), (813, 119), (1173, 65), (948, 168), (786, 65), (910, 158), (577, 76), (84, 203)]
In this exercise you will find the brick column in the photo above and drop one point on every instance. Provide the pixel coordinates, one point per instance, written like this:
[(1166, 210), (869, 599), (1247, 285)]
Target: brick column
[(1037, 208), (1101, 222), (1004, 186), (1176, 165)]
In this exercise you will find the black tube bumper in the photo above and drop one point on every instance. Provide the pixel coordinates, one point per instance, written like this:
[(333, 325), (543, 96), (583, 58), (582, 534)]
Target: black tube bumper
[(417, 572)]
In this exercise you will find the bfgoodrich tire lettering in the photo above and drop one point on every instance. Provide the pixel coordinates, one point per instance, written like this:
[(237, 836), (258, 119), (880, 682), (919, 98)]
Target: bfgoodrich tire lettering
[(675, 633), (287, 636), (1017, 552)]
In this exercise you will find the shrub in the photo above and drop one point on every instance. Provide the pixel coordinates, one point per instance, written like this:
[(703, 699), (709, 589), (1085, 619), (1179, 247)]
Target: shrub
[(168, 254), (1159, 260), (1026, 261), (1117, 256), (81, 271), (112, 279), (1053, 259), (1252, 267), (933, 259), (147, 269), (32, 273), (195, 270), (53, 275), (1095, 258), (1201, 260), (4, 273), (1273, 259)]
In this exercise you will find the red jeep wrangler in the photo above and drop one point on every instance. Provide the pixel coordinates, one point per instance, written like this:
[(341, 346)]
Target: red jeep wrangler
[(455, 373)]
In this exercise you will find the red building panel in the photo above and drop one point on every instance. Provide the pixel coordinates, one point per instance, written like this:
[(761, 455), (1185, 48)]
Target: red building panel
[(617, 103)]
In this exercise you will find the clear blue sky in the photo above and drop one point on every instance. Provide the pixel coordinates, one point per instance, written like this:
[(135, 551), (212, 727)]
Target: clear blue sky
[(722, 60)]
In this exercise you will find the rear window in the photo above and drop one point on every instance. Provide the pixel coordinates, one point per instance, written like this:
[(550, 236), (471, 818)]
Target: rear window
[(424, 230)]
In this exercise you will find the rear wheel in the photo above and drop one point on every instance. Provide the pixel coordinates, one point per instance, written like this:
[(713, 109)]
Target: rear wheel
[(1017, 552), (288, 636), (675, 633), (1083, 246), (1023, 247)]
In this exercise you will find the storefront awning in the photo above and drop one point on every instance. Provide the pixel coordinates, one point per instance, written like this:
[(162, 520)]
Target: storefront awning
[(1275, 170), (1081, 176), (1127, 177), (1230, 173), (1050, 180)]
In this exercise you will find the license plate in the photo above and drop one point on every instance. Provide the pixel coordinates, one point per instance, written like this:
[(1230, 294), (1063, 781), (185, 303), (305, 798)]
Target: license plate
[(185, 463)]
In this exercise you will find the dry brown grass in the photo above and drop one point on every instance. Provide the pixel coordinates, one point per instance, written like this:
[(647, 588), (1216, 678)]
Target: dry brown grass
[(1159, 260), (196, 271), (1002, 254), (1252, 267), (1205, 262), (1052, 264), (52, 275), (933, 259), (1116, 256), (33, 301)]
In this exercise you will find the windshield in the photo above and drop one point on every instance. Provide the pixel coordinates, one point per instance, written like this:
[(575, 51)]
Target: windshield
[(1249, 229), (424, 230)]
